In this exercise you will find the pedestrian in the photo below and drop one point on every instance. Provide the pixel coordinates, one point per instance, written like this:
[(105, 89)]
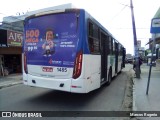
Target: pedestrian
[(134, 64)]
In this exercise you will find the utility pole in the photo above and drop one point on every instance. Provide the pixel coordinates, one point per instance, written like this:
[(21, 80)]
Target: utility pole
[(135, 42)]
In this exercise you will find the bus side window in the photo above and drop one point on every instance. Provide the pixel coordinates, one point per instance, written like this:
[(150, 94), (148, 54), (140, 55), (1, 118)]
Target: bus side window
[(113, 46), (93, 38), (110, 46), (120, 49), (90, 29), (91, 46)]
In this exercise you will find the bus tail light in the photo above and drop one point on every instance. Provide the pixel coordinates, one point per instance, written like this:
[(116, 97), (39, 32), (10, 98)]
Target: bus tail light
[(77, 65), (25, 63)]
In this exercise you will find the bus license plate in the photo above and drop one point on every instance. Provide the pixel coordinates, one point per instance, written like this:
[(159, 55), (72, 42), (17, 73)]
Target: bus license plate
[(47, 69)]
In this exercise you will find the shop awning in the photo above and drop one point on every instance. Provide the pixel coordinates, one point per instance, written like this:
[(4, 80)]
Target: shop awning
[(157, 41)]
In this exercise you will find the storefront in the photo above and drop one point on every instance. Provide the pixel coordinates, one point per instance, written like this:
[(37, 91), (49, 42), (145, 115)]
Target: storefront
[(10, 52)]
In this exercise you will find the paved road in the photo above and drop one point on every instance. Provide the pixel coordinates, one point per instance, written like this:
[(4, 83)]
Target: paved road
[(25, 98)]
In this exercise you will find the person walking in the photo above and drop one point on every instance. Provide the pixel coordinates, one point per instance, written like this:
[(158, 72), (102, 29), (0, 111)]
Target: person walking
[(135, 64)]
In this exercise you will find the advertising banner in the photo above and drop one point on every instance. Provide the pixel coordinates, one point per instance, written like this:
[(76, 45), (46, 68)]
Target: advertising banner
[(52, 40), (14, 38)]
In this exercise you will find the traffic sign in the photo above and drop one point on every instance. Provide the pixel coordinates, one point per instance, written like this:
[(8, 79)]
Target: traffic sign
[(155, 25)]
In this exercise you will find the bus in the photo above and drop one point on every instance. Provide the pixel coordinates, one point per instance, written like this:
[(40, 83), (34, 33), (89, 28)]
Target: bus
[(69, 50)]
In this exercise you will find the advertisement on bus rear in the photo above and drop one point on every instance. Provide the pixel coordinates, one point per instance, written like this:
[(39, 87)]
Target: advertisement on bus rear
[(51, 40)]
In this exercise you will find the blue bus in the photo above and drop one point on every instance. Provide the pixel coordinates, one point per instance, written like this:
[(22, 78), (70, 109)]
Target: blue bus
[(68, 50)]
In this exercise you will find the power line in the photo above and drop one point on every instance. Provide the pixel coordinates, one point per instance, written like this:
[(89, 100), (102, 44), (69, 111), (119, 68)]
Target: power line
[(130, 28), (125, 5), (118, 13), (143, 38)]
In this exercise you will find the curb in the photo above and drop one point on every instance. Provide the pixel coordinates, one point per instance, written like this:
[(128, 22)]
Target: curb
[(134, 108), (134, 96), (133, 91), (10, 84)]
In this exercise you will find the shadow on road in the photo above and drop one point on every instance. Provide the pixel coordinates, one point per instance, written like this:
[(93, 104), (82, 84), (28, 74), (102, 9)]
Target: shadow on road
[(60, 99)]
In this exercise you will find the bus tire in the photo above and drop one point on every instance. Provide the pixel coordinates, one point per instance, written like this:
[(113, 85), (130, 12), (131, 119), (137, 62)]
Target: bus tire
[(109, 78)]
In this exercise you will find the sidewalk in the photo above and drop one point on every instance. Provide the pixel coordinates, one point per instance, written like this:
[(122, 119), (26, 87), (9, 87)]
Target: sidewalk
[(150, 102), (12, 79)]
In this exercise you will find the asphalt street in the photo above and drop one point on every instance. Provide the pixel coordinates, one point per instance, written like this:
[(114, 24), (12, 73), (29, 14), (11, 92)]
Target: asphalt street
[(107, 98)]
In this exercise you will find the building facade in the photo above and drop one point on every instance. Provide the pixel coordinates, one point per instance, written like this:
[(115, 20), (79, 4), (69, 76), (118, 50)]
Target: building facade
[(10, 52), (156, 36)]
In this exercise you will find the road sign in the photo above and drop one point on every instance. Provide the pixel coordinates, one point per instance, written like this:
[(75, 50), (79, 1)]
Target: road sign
[(139, 44), (155, 25)]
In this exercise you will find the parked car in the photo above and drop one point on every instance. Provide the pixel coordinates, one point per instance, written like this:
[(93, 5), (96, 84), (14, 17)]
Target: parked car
[(129, 60)]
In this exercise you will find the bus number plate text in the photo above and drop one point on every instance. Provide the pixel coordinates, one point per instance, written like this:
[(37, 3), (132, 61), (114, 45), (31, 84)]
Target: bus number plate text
[(62, 69), (47, 69)]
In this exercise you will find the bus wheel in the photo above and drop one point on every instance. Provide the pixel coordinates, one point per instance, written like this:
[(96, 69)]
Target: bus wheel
[(109, 78)]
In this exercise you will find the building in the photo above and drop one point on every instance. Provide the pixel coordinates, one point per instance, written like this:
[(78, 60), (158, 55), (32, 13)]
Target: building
[(10, 51), (154, 41), (156, 36)]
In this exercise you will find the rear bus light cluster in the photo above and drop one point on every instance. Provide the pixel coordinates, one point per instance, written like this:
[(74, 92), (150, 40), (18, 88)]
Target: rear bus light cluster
[(78, 65)]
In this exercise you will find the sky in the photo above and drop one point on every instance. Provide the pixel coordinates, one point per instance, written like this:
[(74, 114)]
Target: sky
[(114, 15)]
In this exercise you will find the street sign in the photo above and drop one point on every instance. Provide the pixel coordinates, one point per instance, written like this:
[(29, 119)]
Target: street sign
[(139, 44), (155, 25)]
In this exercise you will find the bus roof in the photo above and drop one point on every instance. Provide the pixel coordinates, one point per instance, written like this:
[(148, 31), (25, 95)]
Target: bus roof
[(54, 11)]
